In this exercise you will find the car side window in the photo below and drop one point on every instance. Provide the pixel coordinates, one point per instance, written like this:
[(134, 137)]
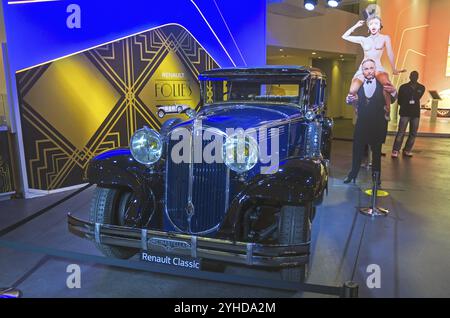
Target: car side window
[(317, 92), (313, 97)]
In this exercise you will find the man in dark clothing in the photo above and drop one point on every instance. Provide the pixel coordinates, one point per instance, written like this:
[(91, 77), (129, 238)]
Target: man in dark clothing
[(409, 96), (371, 124)]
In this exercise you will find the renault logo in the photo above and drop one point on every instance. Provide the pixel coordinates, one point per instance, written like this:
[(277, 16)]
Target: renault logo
[(169, 245), (190, 209)]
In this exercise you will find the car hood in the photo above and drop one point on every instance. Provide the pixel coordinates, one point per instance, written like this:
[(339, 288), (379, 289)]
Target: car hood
[(245, 116)]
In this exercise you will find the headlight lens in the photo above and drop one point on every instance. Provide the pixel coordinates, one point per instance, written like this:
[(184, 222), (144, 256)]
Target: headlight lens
[(310, 115), (146, 146), (240, 152)]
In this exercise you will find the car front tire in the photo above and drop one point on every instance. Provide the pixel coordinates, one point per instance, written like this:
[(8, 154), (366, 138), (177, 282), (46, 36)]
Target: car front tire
[(108, 207), (294, 228)]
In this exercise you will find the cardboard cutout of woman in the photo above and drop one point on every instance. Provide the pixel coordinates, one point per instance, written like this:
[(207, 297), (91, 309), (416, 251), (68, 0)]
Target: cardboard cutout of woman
[(373, 46)]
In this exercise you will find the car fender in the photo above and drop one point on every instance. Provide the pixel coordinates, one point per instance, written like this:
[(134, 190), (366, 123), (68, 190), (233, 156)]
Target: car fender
[(296, 182), (118, 169)]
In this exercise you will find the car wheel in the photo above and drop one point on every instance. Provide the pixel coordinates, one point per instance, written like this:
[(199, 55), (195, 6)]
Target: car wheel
[(294, 228), (108, 206), (179, 109), (161, 113)]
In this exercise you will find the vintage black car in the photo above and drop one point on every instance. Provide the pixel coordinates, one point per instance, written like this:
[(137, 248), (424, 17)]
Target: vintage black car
[(156, 198)]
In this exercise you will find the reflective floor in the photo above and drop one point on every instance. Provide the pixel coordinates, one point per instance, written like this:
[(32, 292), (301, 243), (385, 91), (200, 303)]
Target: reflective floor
[(439, 127), (411, 246)]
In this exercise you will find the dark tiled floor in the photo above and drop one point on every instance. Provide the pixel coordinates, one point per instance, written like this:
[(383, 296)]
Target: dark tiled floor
[(12, 211), (411, 246)]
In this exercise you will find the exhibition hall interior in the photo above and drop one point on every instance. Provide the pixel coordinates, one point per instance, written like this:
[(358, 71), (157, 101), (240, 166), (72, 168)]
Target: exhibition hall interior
[(224, 149)]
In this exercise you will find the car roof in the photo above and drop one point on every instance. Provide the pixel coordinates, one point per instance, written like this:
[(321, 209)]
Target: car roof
[(269, 71)]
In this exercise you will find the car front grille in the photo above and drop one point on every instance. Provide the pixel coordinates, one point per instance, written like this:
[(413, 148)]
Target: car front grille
[(209, 184)]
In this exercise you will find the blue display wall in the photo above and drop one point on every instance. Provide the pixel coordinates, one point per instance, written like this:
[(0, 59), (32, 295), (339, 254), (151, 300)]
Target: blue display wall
[(232, 31)]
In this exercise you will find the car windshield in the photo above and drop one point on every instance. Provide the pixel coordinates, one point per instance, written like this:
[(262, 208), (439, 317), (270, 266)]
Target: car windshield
[(219, 91)]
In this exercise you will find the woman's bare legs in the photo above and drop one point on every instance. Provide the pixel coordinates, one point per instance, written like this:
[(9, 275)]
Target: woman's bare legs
[(383, 78)]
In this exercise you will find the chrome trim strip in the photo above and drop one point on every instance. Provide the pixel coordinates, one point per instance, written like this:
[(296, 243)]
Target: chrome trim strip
[(249, 253), (289, 138), (194, 246), (144, 239), (87, 227), (191, 175), (191, 162), (227, 190), (210, 248), (97, 233)]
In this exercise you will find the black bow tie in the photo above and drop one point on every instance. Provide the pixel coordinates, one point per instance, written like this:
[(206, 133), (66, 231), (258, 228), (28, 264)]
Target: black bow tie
[(368, 81)]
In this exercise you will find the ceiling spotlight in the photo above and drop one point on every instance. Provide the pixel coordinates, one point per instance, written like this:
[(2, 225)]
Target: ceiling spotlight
[(310, 4), (333, 3), (281, 50), (341, 55), (314, 53)]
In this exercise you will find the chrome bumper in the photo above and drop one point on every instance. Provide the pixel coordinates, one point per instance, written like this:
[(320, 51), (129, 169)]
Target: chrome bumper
[(252, 254)]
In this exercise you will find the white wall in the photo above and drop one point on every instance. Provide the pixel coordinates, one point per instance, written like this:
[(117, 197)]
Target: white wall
[(301, 60), (434, 77), (339, 75), (322, 33), (348, 71)]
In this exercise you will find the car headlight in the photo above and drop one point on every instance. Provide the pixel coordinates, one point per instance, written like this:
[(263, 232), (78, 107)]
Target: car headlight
[(310, 115), (240, 152), (146, 146)]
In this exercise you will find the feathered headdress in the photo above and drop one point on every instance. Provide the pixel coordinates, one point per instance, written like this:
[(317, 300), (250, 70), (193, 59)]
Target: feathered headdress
[(372, 10)]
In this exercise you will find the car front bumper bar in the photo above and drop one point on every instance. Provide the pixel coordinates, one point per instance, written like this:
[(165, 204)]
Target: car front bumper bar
[(252, 254)]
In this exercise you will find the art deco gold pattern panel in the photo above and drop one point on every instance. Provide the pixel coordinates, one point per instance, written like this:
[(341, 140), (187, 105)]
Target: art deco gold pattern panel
[(84, 98), (6, 180), (80, 106)]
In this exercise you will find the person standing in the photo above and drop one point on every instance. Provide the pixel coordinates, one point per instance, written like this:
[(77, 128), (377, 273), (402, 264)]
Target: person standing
[(409, 96), (371, 124)]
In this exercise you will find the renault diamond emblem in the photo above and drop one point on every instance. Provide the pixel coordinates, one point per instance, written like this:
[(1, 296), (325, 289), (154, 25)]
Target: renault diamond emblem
[(190, 209)]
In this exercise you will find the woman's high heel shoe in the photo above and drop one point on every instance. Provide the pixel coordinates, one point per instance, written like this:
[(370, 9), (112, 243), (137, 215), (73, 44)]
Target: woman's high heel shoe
[(349, 179)]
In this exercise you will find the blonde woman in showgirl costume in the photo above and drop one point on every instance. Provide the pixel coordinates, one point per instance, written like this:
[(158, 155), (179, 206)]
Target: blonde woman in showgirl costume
[(373, 46)]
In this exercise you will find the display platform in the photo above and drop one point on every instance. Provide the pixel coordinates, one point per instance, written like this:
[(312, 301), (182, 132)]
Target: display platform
[(405, 244), (212, 272)]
